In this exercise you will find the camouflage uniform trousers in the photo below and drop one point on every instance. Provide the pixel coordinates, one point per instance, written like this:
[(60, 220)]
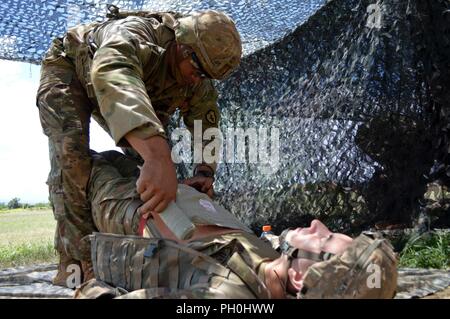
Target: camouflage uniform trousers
[(112, 193), (65, 111)]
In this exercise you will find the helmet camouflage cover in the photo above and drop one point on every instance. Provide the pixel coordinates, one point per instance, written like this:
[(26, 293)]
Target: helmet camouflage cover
[(367, 269), (215, 40)]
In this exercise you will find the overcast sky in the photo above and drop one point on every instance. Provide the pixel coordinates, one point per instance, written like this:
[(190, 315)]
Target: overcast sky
[(24, 162)]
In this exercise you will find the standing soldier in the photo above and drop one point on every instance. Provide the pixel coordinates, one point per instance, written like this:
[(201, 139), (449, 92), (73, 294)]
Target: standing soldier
[(130, 73)]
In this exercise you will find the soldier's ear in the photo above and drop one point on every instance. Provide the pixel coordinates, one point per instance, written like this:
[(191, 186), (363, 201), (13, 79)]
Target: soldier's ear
[(295, 279)]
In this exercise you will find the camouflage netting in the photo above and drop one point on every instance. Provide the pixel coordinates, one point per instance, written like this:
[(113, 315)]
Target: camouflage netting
[(363, 108), (359, 91), (28, 26)]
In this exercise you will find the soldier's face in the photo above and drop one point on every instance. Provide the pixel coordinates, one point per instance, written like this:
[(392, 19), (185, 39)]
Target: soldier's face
[(317, 237), (189, 73)]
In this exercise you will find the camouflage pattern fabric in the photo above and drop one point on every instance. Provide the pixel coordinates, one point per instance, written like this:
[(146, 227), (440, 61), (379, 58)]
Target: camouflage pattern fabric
[(338, 206), (132, 64), (417, 283), (114, 199), (323, 84), (226, 266), (112, 193), (223, 266), (351, 274), (127, 86), (96, 289), (404, 155), (219, 54), (64, 111), (127, 262)]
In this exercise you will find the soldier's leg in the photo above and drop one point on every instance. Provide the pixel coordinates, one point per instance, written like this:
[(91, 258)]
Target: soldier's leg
[(64, 111), (112, 193), (127, 166)]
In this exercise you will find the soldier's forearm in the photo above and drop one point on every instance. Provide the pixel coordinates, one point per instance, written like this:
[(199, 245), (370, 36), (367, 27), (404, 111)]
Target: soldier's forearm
[(152, 148)]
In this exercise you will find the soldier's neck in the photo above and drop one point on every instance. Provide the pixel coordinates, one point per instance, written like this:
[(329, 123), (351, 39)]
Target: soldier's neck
[(276, 277)]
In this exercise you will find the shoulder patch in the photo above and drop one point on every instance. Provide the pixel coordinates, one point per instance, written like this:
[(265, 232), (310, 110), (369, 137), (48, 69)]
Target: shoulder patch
[(211, 117)]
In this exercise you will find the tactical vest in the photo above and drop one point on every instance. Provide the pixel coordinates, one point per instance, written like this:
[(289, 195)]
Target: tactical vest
[(221, 267)]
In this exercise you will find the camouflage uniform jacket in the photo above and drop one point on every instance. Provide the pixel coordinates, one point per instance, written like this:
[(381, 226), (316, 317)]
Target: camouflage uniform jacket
[(122, 66)]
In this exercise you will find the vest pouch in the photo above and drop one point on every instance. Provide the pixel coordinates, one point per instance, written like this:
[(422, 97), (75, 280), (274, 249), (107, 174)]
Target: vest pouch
[(134, 262)]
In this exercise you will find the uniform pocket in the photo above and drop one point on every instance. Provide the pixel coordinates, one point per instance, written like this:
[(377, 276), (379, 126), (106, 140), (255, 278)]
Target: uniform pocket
[(54, 75), (83, 64), (56, 195)]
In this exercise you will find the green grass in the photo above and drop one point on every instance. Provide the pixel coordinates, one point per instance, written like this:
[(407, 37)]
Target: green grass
[(430, 250), (28, 209), (26, 237)]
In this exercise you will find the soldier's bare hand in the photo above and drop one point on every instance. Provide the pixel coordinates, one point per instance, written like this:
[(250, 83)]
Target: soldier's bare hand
[(157, 183), (202, 184)]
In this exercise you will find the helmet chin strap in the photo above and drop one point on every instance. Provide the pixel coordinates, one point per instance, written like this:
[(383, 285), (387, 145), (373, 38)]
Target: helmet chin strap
[(292, 252), (296, 253), (174, 58), (183, 52)]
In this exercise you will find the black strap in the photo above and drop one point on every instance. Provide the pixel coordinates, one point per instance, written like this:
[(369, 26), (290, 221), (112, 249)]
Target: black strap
[(113, 11), (322, 256), (293, 252)]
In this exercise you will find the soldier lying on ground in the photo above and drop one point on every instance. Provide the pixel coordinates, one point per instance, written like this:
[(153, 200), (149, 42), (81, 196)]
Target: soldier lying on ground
[(223, 259)]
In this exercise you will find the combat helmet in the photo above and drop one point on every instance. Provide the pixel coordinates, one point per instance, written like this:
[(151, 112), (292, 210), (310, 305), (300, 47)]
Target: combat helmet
[(366, 269), (215, 40)]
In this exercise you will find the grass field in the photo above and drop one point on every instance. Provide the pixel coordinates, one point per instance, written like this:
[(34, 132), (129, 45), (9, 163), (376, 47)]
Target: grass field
[(26, 237), (430, 250)]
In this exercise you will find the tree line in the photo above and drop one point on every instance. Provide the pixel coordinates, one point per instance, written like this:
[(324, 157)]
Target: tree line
[(16, 203)]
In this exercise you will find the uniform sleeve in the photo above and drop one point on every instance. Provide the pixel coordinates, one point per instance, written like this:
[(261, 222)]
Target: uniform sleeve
[(203, 108), (125, 47)]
